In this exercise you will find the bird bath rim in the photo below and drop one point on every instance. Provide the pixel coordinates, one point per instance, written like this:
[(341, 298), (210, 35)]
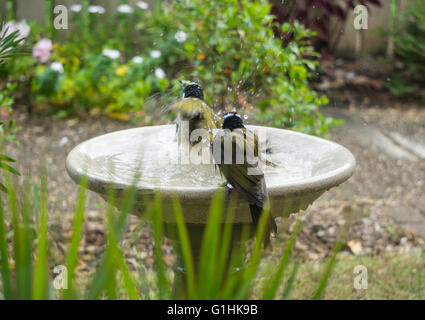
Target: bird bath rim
[(316, 183)]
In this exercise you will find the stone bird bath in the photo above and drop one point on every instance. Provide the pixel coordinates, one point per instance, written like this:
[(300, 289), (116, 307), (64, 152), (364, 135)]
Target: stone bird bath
[(307, 166)]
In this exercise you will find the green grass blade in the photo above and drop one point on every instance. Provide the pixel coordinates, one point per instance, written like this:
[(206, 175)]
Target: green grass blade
[(232, 282), (224, 251), (159, 262), (129, 283), (273, 284), (27, 241), (4, 265), (144, 286), (250, 271), (77, 230), (41, 265), (118, 259), (114, 251), (10, 169), (36, 205), (287, 290), (331, 264), (186, 250), (209, 249), (102, 279), (18, 244)]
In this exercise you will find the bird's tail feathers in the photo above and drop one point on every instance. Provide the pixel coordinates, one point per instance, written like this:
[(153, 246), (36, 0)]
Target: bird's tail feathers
[(271, 227)]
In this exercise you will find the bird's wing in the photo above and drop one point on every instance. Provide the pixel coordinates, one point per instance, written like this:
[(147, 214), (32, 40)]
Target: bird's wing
[(190, 108), (245, 176)]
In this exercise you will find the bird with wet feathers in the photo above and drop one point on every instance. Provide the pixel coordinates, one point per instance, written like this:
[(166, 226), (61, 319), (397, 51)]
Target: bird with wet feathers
[(193, 108), (246, 176)]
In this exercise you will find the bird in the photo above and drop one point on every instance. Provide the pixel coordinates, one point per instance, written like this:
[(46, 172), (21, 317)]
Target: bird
[(244, 175), (193, 108)]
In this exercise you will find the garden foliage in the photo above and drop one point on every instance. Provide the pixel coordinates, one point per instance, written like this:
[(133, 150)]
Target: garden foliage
[(409, 39), (28, 258), (116, 62), (10, 47)]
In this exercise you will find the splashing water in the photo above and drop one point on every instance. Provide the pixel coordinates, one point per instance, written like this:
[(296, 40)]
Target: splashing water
[(155, 156)]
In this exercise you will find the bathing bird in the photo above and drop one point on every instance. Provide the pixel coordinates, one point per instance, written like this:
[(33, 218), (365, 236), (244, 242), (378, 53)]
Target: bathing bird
[(235, 152), (195, 110)]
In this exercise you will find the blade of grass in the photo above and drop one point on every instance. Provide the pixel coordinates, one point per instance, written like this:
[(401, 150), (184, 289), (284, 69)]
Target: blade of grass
[(118, 259), (232, 282), (143, 280), (72, 254), (108, 265), (36, 205), (41, 264), (331, 264), (111, 286), (290, 282), (209, 248), (4, 265), (17, 238), (129, 283), (224, 250), (27, 240), (186, 250), (159, 262), (103, 274), (273, 284), (250, 271)]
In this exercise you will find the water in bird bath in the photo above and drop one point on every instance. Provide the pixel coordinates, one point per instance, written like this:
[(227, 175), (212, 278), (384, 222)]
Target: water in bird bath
[(155, 157)]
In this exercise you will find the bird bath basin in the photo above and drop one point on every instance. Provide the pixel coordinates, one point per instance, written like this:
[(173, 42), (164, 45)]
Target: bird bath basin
[(307, 166)]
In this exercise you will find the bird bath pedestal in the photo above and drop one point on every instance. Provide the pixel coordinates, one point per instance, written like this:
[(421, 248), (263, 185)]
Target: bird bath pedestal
[(307, 166)]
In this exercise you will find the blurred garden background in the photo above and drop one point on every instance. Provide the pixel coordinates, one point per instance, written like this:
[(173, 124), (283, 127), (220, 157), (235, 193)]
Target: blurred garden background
[(297, 65)]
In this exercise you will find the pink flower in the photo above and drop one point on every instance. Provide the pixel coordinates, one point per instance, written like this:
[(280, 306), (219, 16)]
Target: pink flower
[(23, 28), (42, 50)]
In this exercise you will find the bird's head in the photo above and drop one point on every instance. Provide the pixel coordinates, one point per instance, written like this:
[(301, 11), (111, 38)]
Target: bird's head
[(192, 90), (232, 121)]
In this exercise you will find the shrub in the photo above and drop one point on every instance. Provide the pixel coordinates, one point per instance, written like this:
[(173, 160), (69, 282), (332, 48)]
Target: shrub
[(409, 42), (116, 63), (10, 48), (232, 50)]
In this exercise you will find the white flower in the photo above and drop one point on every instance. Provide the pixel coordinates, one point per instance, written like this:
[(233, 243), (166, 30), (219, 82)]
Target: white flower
[(155, 53), (57, 66), (11, 27), (97, 9), (143, 5), (137, 59), (125, 8), (180, 36), (24, 29), (111, 53), (76, 7), (159, 73)]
